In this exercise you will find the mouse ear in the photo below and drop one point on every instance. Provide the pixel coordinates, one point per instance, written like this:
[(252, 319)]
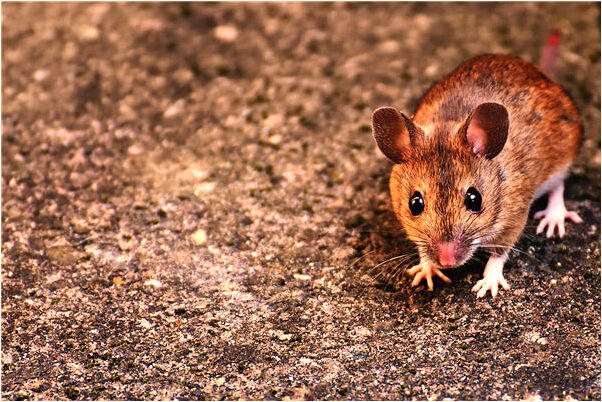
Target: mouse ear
[(487, 129), (393, 132)]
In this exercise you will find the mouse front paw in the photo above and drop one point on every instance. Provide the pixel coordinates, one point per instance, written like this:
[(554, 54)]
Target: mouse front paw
[(492, 277), (491, 284), (425, 270)]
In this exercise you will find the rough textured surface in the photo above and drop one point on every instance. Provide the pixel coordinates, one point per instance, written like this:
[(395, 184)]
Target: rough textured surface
[(187, 189)]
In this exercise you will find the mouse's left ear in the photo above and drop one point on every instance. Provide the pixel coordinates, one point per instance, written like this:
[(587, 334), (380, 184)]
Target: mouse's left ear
[(487, 129), (394, 133)]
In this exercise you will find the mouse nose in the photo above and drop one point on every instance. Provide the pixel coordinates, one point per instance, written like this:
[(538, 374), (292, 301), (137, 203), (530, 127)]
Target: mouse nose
[(446, 254)]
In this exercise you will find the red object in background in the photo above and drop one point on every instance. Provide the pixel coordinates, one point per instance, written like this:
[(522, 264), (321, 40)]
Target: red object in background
[(550, 52), (554, 37)]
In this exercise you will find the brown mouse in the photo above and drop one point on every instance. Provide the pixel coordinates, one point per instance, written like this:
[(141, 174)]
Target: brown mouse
[(485, 142)]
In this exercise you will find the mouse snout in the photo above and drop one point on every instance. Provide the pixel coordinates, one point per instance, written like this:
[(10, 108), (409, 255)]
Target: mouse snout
[(447, 254)]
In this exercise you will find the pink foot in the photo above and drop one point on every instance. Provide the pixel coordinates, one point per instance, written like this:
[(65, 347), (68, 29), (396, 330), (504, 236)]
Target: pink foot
[(555, 213), (425, 270), (492, 277)]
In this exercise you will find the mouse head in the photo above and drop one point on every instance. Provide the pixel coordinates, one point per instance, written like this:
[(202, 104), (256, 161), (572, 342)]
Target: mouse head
[(446, 184)]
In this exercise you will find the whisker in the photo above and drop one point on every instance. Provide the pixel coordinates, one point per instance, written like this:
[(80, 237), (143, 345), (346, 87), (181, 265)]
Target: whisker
[(360, 258), (381, 273), (512, 248), (390, 259)]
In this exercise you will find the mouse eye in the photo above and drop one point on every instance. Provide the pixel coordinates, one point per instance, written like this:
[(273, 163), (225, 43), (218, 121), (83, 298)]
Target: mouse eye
[(416, 204), (472, 200)]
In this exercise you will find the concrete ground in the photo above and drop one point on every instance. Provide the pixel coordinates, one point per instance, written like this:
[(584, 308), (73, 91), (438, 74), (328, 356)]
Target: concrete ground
[(193, 207)]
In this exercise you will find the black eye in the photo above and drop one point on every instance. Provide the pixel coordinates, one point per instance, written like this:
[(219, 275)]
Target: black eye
[(472, 200), (416, 204)]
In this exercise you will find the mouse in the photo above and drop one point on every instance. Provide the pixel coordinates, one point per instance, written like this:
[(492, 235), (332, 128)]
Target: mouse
[(485, 141)]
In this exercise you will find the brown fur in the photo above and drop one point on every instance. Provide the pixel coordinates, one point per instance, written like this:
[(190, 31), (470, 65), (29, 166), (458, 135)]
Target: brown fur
[(544, 136)]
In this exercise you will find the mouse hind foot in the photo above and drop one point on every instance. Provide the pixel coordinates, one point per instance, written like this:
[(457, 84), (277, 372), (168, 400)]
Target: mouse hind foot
[(555, 213), (426, 270)]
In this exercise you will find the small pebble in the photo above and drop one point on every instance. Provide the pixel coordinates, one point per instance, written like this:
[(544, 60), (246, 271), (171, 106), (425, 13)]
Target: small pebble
[(153, 282), (431, 70), (64, 255), (89, 33), (118, 280), (54, 277), (275, 139), (175, 109), (126, 242), (135, 150), (199, 237), (303, 278), (127, 113), (274, 121), (389, 46), (194, 173), (69, 51), (78, 179), (204, 188), (362, 331), (225, 33), (41, 75), (289, 176), (183, 76)]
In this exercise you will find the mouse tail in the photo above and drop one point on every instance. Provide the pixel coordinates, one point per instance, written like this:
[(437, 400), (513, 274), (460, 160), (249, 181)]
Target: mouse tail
[(550, 53)]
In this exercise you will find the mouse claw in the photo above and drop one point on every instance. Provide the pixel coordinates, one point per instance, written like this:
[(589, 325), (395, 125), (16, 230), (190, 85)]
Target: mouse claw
[(425, 270)]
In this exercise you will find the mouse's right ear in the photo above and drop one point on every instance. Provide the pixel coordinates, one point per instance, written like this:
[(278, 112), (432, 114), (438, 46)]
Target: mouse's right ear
[(393, 131), (487, 129)]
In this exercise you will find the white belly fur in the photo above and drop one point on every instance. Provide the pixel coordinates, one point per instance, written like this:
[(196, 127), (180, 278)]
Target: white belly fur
[(552, 182)]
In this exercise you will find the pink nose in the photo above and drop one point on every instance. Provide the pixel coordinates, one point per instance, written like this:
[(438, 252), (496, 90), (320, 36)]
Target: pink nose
[(447, 254)]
